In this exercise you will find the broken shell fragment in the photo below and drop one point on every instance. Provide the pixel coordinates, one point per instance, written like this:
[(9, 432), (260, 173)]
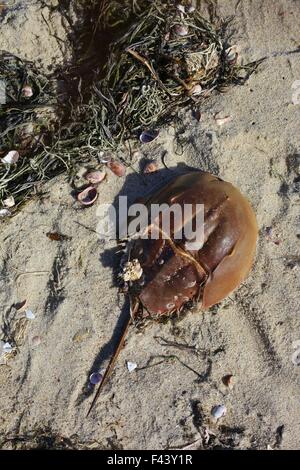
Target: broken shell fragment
[(7, 348), (218, 411), (222, 120), (116, 167), (27, 91), (95, 177), (191, 9), (151, 167), (88, 196), (148, 136), (12, 157), (181, 30), (232, 53), (4, 213), (29, 315), (9, 202), (228, 380), (181, 8), (196, 90), (131, 366)]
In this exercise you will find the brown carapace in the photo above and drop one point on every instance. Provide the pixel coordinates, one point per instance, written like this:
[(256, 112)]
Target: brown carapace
[(174, 275)]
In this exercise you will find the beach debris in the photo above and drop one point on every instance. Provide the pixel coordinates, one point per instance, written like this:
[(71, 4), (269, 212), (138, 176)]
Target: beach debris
[(20, 305), (27, 91), (9, 202), (222, 120), (55, 236), (196, 90), (131, 271), (95, 177), (131, 366), (148, 136), (88, 196), (181, 30), (116, 167), (4, 213), (191, 9), (218, 411), (36, 341), (151, 167), (7, 348), (181, 8), (11, 157), (196, 114), (96, 378), (228, 380), (29, 314), (270, 236), (232, 53)]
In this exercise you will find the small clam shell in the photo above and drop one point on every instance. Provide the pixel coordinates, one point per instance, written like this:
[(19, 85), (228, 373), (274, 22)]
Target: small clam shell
[(95, 177), (151, 167), (7, 348), (218, 411), (148, 136), (88, 196), (11, 157), (228, 380), (131, 366), (232, 53), (181, 30), (116, 167)]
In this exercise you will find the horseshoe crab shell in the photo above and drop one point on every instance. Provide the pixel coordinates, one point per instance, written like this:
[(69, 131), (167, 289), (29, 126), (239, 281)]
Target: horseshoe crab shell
[(174, 275)]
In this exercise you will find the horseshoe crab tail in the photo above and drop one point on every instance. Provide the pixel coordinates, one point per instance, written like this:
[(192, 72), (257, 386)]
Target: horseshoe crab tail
[(113, 359)]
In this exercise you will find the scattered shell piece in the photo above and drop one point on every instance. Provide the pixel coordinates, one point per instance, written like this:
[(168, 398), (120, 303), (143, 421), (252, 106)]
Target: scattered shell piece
[(148, 136), (36, 341), (29, 314), (96, 378), (196, 90), (7, 348), (191, 9), (181, 30), (228, 380), (151, 167), (296, 354), (116, 167), (95, 177), (181, 8), (27, 91), (4, 213), (218, 411), (132, 271), (9, 202), (81, 335), (232, 53), (131, 366), (12, 157), (88, 196), (222, 120)]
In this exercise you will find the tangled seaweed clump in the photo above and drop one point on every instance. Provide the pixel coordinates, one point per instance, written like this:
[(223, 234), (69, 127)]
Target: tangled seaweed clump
[(164, 58)]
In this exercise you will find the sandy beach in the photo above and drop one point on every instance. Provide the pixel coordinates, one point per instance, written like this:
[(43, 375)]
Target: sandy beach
[(69, 284)]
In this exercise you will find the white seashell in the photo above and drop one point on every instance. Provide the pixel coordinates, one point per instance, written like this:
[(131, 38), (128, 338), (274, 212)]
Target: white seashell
[(27, 91), (29, 314), (181, 8), (7, 348), (191, 9), (4, 213), (221, 121), (196, 90), (218, 411), (231, 53), (11, 157), (131, 366), (9, 202)]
